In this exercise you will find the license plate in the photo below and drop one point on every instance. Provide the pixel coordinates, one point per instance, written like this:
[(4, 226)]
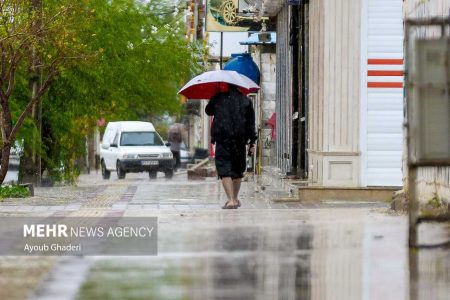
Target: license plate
[(150, 163)]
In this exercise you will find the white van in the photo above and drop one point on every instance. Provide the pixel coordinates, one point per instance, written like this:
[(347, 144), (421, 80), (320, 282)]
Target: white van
[(132, 146)]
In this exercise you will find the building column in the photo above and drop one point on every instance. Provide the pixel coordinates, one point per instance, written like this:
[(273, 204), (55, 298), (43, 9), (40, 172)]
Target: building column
[(334, 93)]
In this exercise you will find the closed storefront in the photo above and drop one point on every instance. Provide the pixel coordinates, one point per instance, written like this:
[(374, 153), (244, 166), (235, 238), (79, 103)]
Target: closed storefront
[(334, 93), (351, 72), (382, 92), (355, 93)]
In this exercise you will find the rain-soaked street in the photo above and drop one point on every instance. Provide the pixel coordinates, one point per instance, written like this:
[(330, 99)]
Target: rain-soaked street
[(264, 250)]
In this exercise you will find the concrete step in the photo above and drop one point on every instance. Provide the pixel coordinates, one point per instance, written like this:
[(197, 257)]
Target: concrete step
[(319, 193), (202, 170)]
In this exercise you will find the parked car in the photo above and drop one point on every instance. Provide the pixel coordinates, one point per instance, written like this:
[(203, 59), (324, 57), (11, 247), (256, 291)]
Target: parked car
[(186, 157), (131, 147)]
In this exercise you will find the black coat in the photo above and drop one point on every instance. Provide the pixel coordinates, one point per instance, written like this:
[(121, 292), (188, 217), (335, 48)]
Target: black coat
[(234, 118)]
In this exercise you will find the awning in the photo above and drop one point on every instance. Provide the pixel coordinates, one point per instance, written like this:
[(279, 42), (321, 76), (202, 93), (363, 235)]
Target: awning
[(255, 39)]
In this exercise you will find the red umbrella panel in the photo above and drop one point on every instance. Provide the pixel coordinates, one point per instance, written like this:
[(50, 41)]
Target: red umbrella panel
[(208, 84), (209, 90)]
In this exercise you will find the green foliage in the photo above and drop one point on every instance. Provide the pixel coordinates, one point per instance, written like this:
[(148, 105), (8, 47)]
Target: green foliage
[(105, 281), (13, 191), (138, 58), (163, 129), (435, 202), (434, 206), (37, 40), (216, 3)]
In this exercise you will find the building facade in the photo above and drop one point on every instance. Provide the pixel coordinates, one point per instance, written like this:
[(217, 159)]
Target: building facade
[(263, 53), (340, 92), (356, 93)]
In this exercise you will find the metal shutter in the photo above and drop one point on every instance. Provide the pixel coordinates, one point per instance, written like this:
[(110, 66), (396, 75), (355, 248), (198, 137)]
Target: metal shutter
[(384, 136)]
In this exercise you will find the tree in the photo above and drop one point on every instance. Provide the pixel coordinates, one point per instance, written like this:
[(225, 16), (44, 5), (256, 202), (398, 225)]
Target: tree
[(143, 59), (118, 59), (40, 37)]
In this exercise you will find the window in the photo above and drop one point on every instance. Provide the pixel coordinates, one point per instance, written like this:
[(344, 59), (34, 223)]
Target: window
[(140, 139), (116, 140)]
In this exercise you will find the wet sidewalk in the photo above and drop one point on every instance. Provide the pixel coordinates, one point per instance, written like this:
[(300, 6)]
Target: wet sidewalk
[(264, 250)]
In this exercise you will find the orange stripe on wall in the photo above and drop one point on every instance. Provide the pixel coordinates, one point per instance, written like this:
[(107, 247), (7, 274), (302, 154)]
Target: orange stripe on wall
[(385, 84), (385, 61), (385, 73)]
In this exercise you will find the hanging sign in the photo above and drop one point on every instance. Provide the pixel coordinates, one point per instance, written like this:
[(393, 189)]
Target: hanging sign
[(234, 16)]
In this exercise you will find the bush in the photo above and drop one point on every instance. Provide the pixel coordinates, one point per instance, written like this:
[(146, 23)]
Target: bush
[(13, 191)]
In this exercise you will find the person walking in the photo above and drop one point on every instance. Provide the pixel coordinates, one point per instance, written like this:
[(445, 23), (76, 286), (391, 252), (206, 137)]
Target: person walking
[(175, 138), (232, 131)]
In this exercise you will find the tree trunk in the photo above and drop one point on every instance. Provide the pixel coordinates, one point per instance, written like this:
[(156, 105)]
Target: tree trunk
[(27, 168), (83, 161), (91, 150), (6, 128), (30, 162), (4, 162)]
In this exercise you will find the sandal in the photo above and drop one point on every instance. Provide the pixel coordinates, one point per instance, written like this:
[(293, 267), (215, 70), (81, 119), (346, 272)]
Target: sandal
[(239, 203), (229, 206)]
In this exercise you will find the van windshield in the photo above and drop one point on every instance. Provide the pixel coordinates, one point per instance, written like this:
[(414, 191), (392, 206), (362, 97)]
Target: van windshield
[(140, 139)]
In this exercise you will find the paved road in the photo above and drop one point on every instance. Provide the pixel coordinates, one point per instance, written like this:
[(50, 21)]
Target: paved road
[(264, 250)]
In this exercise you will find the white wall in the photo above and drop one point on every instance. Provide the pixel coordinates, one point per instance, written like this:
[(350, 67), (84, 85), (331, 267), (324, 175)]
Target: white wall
[(334, 92), (230, 43), (267, 65)]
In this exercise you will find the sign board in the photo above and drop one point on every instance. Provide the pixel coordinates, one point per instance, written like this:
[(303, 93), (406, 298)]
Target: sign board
[(235, 16), (430, 106)]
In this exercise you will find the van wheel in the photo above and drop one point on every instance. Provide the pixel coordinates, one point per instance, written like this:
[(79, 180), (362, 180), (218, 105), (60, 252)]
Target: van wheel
[(169, 174), (120, 172), (105, 173), (152, 174)]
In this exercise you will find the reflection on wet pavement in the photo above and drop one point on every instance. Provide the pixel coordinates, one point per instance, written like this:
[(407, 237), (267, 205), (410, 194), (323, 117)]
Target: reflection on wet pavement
[(263, 255), (334, 252), (432, 278), (430, 267), (262, 251)]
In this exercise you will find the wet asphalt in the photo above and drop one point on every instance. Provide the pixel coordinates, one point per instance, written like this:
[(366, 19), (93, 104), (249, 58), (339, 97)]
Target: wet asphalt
[(264, 250)]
